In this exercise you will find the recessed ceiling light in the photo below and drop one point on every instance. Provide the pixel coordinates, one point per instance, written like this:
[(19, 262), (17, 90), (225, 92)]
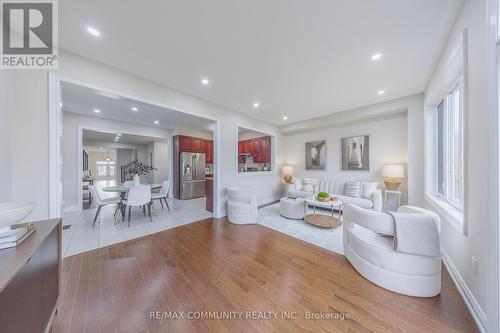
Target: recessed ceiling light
[(119, 134), (285, 118), (205, 82), (381, 92), (156, 122), (97, 111), (376, 56), (116, 139), (60, 104), (134, 109), (256, 104), (93, 31)]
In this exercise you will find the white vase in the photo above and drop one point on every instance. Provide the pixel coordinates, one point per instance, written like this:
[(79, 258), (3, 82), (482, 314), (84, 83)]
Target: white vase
[(137, 180)]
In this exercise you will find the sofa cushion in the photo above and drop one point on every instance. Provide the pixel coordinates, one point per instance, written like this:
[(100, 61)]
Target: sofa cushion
[(309, 184), (300, 194), (297, 184), (331, 186), (361, 202), (367, 189), (379, 251), (353, 189)]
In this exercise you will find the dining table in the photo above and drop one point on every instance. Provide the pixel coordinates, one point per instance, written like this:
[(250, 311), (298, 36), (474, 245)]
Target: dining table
[(123, 189)]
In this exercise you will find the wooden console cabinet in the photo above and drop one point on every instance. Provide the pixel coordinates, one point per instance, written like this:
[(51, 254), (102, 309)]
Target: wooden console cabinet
[(30, 277)]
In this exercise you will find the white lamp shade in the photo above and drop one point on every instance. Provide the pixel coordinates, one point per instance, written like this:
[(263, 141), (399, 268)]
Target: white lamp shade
[(393, 171), (287, 171)]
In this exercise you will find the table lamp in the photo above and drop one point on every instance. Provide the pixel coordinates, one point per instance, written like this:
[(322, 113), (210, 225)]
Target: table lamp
[(393, 173), (287, 174)]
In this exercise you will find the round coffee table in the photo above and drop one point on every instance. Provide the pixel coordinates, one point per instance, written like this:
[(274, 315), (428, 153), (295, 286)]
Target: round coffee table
[(321, 220)]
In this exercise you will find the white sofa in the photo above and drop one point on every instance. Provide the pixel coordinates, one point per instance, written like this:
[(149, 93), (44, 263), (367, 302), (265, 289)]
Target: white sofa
[(368, 245), (241, 206), (335, 187)]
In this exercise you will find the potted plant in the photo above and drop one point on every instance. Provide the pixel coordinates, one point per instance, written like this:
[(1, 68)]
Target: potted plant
[(141, 169), (323, 196)]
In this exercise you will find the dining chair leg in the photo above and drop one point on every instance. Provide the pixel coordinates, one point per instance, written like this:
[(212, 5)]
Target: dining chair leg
[(96, 215), (153, 207), (168, 206), (161, 204), (149, 212), (129, 212), (122, 209)]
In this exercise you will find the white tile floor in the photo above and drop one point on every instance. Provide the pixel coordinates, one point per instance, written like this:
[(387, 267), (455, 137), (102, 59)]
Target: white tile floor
[(83, 237)]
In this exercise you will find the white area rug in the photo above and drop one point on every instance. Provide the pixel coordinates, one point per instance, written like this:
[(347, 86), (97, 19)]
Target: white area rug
[(326, 238)]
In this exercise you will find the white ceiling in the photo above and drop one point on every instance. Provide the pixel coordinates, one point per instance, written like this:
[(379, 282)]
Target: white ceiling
[(95, 136), (83, 100), (297, 58)]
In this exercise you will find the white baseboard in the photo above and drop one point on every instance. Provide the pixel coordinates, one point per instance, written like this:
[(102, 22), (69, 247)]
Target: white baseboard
[(71, 209), (469, 299)]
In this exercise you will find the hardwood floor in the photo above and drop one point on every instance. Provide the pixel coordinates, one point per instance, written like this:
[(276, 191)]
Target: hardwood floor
[(214, 266)]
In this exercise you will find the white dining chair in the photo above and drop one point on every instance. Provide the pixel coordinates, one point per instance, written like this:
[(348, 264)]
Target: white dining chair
[(103, 202), (128, 183), (138, 196), (163, 194)]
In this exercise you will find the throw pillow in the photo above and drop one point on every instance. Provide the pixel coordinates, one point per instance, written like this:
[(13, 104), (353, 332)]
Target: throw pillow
[(367, 189), (309, 184), (297, 184), (353, 189)]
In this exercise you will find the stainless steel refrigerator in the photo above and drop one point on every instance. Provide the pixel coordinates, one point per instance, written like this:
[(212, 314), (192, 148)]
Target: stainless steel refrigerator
[(192, 175)]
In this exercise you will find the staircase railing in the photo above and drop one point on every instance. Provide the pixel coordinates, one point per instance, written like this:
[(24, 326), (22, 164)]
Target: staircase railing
[(125, 174)]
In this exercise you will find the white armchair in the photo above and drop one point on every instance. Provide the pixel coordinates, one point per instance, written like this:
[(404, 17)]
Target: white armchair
[(368, 245), (241, 206)]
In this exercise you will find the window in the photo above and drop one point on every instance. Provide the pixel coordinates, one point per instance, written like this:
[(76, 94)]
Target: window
[(449, 122), (105, 168)]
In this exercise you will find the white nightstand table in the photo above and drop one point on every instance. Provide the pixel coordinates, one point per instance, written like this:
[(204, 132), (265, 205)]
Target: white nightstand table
[(398, 193)]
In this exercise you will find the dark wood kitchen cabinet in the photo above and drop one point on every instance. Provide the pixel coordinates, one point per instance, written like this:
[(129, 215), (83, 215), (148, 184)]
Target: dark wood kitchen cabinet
[(184, 143), (209, 151), (198, 145), (259, 148), (189, 144)]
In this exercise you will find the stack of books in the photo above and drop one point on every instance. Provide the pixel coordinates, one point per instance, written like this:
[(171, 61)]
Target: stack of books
[(17, 234)]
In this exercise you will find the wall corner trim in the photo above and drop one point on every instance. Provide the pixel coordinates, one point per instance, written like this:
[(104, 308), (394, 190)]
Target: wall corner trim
[(475, 309)]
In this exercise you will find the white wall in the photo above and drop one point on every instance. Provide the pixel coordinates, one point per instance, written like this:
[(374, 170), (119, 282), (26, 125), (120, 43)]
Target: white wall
[(25, 163), (461, 248), (388, 144), (30, 127), (161, 161), (71, 122), (353, 121), (194, 132), (123, 157), (266, 186), (5, 136)]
